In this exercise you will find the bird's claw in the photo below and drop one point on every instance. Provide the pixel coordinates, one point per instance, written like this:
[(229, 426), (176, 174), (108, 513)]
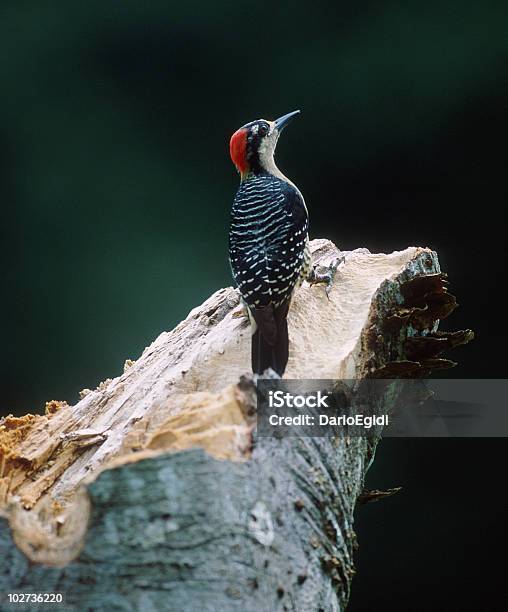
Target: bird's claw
[(240, 313), (325, 278)]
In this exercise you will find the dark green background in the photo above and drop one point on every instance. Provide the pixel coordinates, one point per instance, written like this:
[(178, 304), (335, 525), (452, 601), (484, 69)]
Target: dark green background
[(115, 185)]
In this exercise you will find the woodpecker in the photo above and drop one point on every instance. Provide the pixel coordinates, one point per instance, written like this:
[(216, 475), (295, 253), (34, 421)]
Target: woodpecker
[(268, 240)]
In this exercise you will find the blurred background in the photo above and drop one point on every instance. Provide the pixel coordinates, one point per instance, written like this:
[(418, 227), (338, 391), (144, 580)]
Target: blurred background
[(116, 185)]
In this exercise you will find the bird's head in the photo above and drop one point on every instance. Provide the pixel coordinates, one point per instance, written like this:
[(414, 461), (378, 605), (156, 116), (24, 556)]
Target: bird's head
[(253, 145)]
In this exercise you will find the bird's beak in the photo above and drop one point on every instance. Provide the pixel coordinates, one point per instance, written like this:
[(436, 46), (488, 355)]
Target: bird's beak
[(281, 122)]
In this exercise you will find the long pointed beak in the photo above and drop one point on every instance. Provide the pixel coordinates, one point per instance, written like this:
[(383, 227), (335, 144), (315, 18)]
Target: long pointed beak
[(281, 122)]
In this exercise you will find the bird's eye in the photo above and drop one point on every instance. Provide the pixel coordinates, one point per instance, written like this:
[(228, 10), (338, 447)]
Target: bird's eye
[(263, 129)]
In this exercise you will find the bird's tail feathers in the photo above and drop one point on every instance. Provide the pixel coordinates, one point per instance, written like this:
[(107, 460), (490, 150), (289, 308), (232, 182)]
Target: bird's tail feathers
[(270, 341)]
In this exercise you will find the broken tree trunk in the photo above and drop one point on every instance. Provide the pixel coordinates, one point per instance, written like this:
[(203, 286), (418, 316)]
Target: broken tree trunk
[(153, 493)]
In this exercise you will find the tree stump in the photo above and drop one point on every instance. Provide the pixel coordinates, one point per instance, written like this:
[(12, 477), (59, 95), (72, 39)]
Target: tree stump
[(153, 492)]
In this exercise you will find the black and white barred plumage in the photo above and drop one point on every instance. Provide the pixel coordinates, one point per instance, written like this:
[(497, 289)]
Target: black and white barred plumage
[(268, 248), (267, 240)]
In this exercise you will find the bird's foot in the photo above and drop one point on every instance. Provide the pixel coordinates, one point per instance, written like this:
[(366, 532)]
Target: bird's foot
[(326, 277), (240, 313)]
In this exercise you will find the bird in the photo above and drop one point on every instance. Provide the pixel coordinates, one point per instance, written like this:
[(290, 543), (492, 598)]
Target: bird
[(269, 250)]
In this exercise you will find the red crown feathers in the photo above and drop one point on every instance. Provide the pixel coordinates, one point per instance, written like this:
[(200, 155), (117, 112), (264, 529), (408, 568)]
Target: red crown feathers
[(238, 149)]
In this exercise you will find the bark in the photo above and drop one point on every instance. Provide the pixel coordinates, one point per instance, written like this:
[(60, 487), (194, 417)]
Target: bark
[(153, 493)]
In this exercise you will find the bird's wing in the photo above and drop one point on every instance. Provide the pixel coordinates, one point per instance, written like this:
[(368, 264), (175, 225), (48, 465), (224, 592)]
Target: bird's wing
[(267, 241)]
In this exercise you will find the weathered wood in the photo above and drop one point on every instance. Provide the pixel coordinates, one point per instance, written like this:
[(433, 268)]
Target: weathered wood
[(189, 511)]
